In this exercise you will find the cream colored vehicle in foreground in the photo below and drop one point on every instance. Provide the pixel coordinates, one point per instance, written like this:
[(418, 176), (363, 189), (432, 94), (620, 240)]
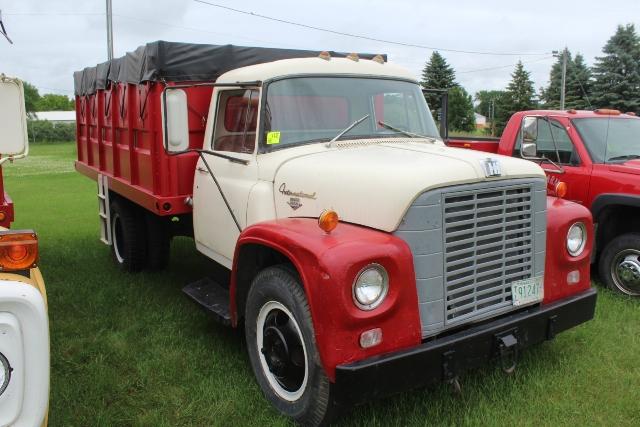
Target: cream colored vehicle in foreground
[(366, 257), (24, 324)]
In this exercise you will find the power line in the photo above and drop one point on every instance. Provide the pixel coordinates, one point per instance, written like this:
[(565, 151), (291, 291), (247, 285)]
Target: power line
[(502, 66), (55, 14), (359, 36)]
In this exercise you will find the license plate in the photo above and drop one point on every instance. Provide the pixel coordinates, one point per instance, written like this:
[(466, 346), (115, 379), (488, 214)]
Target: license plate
[(527, 291)]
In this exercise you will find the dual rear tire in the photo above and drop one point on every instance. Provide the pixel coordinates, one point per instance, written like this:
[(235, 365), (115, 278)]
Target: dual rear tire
[(139, 238)]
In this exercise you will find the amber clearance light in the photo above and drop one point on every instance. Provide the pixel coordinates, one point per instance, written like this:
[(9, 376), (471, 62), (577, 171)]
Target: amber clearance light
[(328, 220), (561, 189), (18, 250)]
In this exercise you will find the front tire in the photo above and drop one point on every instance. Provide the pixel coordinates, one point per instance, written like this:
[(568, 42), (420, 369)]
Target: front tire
[(619, 265), (282, 348)]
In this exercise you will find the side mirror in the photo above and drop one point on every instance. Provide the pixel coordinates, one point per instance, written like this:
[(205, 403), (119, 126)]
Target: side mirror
[(529, 150), (14, 141), (529, 129), (175, 119)]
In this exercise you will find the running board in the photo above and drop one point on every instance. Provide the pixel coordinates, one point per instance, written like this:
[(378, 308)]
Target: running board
[(212, 296)]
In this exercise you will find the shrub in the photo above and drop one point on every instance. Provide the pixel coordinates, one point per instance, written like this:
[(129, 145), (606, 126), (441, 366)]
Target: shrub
[(46, 131)]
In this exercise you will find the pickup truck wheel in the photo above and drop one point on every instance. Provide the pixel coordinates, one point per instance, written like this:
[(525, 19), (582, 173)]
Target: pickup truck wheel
[(620, 264), (282, 348), (128, 237)]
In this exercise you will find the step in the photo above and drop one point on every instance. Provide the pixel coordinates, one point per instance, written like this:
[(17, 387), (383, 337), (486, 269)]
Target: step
[(212, 296)]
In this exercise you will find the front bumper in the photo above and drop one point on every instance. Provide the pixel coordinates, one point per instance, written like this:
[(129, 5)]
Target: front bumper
[(447, 357)]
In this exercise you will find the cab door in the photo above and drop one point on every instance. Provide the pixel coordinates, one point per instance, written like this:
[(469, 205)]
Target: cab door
[(554, 143), (222, 185)]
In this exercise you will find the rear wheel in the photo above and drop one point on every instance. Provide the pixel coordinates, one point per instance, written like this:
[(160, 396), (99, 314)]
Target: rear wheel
[(619, 266), (128, 236), (282, 348)]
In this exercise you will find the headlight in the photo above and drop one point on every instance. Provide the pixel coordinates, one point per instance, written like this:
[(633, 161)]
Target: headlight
[(370, 287), (576, 239), (5, 373)]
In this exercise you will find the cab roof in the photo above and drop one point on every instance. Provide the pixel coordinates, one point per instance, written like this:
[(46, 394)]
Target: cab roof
[(578, 114)]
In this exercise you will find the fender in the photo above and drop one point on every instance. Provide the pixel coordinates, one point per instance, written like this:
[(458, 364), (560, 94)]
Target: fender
[(561, 215), (608, 199), (328, 265)]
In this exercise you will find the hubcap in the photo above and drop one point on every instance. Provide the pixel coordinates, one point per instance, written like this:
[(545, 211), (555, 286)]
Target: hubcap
[(283, 355), (116, 233), (625, 271)]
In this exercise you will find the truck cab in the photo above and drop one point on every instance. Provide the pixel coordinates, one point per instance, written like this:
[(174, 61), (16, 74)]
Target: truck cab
[(366, 257), (596, 154), (24, 325)]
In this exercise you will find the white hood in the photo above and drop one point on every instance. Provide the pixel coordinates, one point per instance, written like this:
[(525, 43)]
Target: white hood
[(373, 184)]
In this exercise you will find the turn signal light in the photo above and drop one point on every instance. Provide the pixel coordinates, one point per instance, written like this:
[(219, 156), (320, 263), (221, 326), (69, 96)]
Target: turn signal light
[(18, 250), (328, 220), (607, 112), (561, 189)]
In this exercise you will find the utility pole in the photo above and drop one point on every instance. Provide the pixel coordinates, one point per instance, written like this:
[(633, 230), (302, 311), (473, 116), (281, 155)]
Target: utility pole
[(109, 30), (564, 54)]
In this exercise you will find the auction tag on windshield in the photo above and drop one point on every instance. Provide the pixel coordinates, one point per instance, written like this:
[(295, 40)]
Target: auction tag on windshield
[(273, 137), (527, 291)]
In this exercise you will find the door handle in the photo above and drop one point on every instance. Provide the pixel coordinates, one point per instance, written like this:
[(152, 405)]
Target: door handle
[(201, 169)]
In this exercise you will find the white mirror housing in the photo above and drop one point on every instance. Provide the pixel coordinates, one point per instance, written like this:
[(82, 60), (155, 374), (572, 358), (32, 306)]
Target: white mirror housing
[(14, 140), (175, 115)]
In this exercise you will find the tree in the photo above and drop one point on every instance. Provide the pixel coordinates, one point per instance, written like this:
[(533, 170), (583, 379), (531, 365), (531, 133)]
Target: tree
[(31, 97), (617, 73), (52, 102), (461, 115), (437, 74), (577, 85), (520, 95)]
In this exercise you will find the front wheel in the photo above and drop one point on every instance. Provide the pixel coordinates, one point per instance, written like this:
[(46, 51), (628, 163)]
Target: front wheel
[(620, 264), (282, 348)]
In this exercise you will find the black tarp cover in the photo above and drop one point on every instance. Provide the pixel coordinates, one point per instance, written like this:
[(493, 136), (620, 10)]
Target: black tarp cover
[(179, 62)]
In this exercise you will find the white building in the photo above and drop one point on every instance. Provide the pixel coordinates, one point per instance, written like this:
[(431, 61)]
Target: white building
[(481, 121), (55, 116)]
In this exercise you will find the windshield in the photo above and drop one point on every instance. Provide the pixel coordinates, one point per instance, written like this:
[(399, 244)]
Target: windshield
[(312, 109), (610, 140)]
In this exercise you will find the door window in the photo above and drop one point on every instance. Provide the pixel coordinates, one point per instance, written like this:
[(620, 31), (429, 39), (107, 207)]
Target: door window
[(553, 143), (236, 120)]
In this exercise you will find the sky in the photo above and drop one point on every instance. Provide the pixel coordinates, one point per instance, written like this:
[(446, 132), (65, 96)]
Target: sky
[(54, 38)]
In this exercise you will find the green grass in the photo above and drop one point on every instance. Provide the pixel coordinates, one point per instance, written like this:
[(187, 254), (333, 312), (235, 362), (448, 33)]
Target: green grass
[(132, 350)]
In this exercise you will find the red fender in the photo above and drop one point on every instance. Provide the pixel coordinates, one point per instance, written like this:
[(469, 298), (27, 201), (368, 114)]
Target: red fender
[(562, 214), (328, 265)]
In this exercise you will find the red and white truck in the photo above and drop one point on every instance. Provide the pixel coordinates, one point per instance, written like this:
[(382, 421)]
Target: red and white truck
[(24, 322), (596, 155), (366, 257)]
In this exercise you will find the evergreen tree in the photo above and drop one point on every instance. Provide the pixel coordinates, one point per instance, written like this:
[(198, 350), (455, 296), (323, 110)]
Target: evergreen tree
[(577, 85), (437, 74), (519, 96), (461, 115), (617, 73)]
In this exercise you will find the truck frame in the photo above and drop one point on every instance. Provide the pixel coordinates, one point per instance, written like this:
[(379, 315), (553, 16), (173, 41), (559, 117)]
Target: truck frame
[(365, 256)]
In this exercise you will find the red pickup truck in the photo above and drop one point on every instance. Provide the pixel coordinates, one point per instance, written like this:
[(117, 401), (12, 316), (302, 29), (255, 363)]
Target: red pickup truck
[(597, 155)]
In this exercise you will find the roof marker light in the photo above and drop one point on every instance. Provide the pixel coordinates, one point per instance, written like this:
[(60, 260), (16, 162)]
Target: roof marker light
[(607, 112), (572, 111), (631, 113), (325, 55), (353, 56), (378, 58)]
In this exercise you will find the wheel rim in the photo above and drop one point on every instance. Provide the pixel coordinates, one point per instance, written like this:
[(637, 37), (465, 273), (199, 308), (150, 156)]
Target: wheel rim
[(282, 352), (116, 234), (625, 271)]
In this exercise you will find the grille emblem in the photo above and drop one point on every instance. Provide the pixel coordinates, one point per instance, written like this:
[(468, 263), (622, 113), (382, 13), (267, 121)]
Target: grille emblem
[(491, 167)]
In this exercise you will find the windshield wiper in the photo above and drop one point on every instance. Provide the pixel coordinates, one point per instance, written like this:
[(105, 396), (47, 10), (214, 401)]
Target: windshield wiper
[(625, 157), (347, 129), (406, 132)]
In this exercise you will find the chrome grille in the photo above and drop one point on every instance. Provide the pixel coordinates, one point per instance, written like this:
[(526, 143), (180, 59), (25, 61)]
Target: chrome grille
[(488, 243)]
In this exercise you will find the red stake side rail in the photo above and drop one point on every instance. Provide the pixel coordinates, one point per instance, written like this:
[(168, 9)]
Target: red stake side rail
[(119, 134)]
